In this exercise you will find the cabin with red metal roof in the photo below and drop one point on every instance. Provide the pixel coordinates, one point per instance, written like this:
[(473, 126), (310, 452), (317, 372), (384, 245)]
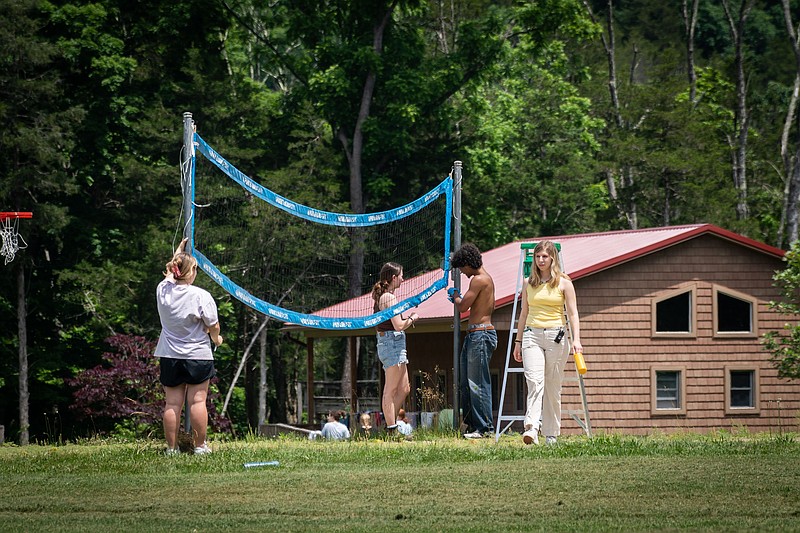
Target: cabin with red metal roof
[(671, 324)]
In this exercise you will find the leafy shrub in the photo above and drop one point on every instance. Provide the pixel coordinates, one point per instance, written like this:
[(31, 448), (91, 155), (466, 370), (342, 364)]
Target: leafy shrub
[(126, 387)]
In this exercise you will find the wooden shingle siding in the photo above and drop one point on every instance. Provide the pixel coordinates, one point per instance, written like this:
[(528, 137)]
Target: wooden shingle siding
[(616, 311)]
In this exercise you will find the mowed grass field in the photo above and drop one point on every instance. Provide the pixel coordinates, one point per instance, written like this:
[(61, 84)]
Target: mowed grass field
[(719, 482)]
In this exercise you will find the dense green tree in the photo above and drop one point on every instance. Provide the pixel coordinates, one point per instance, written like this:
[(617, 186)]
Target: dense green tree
[(371, 75), (785, 346), (666, 158), (109, 195), (530, 170), (35, 147), (359, 104)]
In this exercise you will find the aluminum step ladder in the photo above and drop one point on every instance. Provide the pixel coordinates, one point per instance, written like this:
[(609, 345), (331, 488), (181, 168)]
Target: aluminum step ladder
[(526, 262)]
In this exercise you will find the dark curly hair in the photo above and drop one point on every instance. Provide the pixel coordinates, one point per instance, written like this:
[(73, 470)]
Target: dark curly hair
[(468, 255)]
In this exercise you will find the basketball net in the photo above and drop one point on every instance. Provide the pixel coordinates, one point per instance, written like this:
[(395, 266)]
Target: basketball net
[(12, 240)]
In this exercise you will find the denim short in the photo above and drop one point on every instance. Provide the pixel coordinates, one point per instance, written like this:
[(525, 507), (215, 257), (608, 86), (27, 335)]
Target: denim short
[(176, 372), (392, 348)]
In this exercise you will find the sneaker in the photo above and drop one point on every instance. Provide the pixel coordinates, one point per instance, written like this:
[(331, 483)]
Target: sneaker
[(551, 440), (530, 436), (390, 434), (202, 450), (473, 435), (169, 452)]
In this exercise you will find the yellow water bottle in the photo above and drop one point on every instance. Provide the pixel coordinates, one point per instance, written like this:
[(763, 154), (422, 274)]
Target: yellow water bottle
[(580, 364)]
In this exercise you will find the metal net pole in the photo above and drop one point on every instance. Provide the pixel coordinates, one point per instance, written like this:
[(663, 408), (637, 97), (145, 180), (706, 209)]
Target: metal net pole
[(456, 273)]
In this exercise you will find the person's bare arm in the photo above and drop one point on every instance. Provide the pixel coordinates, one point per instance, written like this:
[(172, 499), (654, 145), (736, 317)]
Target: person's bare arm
[(523, 318), (398, 322), (572, 312), (181, 247), (169, 274), (213, 332)]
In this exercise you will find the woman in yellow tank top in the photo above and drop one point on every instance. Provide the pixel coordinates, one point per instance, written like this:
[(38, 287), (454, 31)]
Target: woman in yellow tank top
[(542, 345)]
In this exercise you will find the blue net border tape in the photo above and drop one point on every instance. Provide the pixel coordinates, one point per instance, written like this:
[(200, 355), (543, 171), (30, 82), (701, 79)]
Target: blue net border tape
[(320, 216), (315, 321)]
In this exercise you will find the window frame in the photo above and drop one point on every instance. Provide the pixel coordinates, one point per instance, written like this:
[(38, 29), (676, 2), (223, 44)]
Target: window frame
[(666, 295), (753, 333), (662, 411), (756, 408)]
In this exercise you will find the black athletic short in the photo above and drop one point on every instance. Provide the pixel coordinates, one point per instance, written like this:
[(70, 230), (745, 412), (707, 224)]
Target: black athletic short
[(176, 372)]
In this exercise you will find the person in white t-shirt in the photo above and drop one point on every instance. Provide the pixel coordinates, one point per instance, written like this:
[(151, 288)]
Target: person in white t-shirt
[(189, 324), (334, 429), (403, 423)]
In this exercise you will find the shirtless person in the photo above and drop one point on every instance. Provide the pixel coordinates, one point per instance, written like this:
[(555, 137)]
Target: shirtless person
[(479, 344)]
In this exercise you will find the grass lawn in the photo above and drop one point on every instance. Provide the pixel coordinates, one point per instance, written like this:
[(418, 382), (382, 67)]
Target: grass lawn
[(716, 482)]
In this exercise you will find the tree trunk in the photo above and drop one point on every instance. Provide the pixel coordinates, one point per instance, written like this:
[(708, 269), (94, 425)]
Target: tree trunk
[(608, 45), (281, 410), (631, 209), (22, 332), (612, 186), (791, 164), (689, 25), (634, 64), (262, 377), (667, 213), (627, 172), (793, 200), (741, 117), (612, 64), (627, 204), (353, 149), (251, 393)]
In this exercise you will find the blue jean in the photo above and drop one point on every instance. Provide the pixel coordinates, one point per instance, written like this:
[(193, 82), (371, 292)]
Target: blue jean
[(392, 349), (475, 380)]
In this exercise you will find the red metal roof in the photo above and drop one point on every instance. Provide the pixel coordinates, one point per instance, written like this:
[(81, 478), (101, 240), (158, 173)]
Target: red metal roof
[(583, 255)]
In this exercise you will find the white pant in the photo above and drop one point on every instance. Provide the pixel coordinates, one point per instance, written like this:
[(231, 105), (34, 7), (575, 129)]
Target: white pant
[(543, 362)]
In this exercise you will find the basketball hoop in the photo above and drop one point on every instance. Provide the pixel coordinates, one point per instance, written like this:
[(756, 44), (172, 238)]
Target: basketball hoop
[(9, 233)]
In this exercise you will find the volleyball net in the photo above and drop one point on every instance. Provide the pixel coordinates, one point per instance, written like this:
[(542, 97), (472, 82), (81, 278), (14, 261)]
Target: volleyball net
[(308, 266)]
